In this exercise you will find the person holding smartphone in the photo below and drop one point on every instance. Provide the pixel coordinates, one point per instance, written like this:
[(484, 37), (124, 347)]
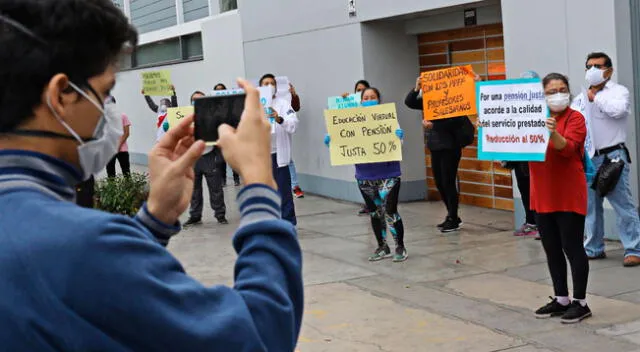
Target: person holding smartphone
[(284, 121)]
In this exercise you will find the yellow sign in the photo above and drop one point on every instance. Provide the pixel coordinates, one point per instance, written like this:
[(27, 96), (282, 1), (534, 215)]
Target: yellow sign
[(157, 83), (363, 135), (174, 115), (449, 93)]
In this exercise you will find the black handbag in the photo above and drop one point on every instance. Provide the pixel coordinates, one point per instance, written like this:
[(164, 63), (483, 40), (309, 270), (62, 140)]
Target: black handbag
[(466, 134), (608, 176)]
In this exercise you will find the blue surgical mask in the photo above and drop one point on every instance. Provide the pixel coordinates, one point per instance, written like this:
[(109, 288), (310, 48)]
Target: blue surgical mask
[(370, 103)]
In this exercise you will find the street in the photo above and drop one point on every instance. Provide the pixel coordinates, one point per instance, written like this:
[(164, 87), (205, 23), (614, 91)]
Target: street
[(469, 291)]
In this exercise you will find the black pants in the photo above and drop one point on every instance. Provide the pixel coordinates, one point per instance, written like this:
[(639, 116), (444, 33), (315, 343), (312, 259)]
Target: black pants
[(85, 192), (445, 170), (223, 172), (125, 165), (207, 167), (563, 235), (283, 180), (522, 177)]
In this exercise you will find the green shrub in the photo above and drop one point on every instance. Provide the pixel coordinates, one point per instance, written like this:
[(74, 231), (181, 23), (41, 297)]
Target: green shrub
[(121, 194)]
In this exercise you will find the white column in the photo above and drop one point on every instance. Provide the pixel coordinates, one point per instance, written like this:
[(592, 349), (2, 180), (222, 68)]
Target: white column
[(127, 8), (179, 11), (214, 7)]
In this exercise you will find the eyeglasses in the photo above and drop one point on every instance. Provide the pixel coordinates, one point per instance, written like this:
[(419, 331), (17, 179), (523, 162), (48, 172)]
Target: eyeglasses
[(598, 66)]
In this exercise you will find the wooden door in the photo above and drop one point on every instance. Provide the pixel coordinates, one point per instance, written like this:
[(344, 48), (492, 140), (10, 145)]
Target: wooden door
[(481, 183)]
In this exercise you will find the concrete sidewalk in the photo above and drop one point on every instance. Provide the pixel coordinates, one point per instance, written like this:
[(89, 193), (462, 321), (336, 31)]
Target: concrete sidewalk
[(470, 291)]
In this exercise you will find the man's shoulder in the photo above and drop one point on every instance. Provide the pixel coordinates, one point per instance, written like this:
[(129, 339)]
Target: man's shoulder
[(616, 87)]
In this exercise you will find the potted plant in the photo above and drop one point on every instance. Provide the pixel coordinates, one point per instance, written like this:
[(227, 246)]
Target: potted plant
[(122, 194)]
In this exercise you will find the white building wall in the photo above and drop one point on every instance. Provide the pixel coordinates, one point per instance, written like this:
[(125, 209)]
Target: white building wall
[(223, 62), (559, 41)]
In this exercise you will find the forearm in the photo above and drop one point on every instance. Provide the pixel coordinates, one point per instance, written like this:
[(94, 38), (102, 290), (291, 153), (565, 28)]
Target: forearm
[(559, 142)]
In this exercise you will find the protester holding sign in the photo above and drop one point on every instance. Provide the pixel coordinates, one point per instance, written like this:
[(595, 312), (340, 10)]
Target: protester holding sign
[(208, 166), (223, 166), (284, 122), (559, 197), (379, 185), (359, 87), (443, 137), (123, 151), (607, 109), (161, 111)]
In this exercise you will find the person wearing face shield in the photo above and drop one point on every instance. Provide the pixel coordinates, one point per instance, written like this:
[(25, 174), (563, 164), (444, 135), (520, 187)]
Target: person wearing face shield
[(77, 279), (606, 106), (161, 125), (284, 121), (559, 198)]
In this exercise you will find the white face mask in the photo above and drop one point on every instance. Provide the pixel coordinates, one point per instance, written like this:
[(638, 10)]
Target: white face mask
[(272, 89), (558, 102), (162, 109), (595, 76), (96, 154)]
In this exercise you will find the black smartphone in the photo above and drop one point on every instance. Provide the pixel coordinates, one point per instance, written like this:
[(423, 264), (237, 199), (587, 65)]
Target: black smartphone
[(211, 112)]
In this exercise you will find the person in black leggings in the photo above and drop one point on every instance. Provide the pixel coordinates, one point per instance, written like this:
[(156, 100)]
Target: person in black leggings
[(559, 197)]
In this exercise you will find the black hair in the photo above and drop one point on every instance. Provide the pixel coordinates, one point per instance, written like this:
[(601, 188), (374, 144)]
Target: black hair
[(113, 99), (42, 38), (220, 85), (166, 102), (555, 76), (373, 89), (268, 75), (194, 93), (600, 55), (363, 82)]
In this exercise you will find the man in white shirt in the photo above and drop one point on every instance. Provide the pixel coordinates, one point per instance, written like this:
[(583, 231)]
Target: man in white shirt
[(606, 107), (284, 122)]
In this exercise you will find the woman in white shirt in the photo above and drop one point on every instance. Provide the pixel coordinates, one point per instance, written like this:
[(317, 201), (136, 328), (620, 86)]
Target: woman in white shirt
[(284, 122)]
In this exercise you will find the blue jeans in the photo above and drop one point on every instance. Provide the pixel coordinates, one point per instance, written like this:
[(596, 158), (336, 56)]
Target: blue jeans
[(294, 175), (283, 179), (622, 201)]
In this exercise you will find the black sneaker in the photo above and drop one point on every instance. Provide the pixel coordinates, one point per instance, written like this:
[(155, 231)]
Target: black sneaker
[(576, 313), (192, 221), (451, 226), (363, 211), (459, 221), (553, 309), (223, 220)]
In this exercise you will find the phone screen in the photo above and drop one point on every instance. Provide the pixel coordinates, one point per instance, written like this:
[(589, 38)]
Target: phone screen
[(211, 112)]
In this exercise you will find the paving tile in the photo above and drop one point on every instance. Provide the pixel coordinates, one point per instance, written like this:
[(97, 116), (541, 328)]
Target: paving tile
[(504, 290), (334, 323)]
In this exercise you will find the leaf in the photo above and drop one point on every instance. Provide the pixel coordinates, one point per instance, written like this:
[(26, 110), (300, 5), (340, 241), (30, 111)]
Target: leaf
[(122, 194)]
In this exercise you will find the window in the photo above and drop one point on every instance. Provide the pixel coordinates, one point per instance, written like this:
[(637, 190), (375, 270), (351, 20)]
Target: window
[(151, 15), (164, 51), (228, 5), (195, 9), (192, 46), (170, 51)]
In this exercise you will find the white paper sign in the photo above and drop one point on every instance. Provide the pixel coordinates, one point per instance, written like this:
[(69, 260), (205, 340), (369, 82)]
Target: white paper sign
[(512, 117)]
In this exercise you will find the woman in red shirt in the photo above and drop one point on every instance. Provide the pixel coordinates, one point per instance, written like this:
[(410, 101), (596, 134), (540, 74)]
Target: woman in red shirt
[(559, 197)]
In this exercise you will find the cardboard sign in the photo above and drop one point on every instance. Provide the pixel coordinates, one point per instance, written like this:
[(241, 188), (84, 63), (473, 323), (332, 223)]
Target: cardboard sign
[(174, 115), (363, 135), (512, 116), (350, 102), (448, 93), (157, 83)]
